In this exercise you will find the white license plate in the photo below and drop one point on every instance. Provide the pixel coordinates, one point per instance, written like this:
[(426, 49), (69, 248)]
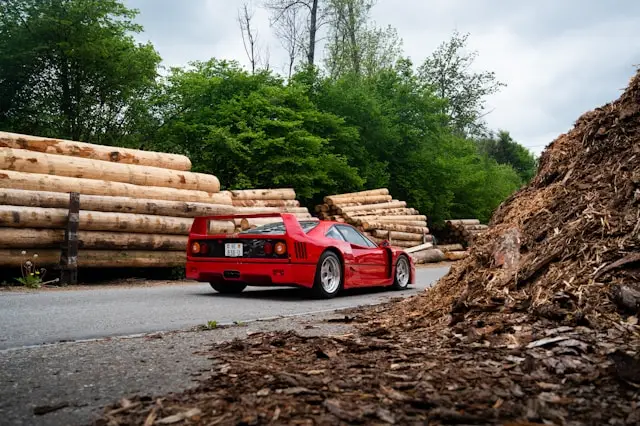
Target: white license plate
[(233, 250)]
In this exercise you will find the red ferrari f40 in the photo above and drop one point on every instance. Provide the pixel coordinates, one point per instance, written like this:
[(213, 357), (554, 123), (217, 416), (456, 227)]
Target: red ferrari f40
[(323, 256)]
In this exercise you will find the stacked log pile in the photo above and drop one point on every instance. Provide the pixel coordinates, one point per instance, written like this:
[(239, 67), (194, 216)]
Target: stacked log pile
[(462, 231), (379, 216), (429, 253), (254, 201)]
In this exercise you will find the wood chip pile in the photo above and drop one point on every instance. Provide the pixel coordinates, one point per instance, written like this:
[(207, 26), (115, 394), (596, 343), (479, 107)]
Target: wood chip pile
[(136, 207), (379, 216)]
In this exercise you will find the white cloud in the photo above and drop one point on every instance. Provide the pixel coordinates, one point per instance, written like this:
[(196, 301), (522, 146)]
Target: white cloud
[(558, 59)]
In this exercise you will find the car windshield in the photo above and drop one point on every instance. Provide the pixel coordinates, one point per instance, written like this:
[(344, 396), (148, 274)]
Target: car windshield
[(278, 228)]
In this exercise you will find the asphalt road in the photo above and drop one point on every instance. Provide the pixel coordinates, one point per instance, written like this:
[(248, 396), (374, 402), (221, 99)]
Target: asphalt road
[(52, 316)]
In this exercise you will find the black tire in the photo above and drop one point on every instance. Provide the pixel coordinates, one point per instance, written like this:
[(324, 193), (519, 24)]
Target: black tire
[(331, 261), (400, 280), (228, 288)]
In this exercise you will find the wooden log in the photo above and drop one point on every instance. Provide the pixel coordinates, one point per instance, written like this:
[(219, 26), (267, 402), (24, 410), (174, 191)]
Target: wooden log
[(266, 203), (259, 210), (52, 238), (20, 197), (386, 218), (99, 258), (421, 247), (418, 224), (368, 207), (391, 235), (95, 152), (456, 255), (246, 223), (264, 194), (40, 182), (432, 255), (368, 193), (462, 222), (475, 227), (380, 212), (38, 217), (363, 200), (393, 227), (449, 247), (21, 160)]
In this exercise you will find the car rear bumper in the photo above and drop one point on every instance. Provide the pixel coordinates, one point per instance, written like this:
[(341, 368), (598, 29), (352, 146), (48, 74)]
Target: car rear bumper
[(256, 274)]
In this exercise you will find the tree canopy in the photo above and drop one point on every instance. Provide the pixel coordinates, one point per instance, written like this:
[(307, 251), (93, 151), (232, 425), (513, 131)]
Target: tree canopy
[(367, 118)]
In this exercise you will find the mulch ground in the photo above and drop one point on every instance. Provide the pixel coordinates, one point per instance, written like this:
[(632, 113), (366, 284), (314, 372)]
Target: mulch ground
[(539, 325)]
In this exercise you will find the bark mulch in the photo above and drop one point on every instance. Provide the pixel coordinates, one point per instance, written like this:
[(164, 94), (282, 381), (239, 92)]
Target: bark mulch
[(539, 325)]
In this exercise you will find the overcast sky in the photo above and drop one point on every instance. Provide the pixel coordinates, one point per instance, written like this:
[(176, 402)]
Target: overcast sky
[(559, 58)]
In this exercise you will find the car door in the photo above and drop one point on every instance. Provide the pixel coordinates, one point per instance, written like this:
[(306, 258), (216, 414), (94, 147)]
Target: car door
[(351, 273), (370, 260)]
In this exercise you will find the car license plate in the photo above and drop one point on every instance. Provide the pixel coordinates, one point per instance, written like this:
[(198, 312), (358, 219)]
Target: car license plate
[(233, 250)]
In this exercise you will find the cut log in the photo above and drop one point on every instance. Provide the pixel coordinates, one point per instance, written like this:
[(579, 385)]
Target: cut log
[(20, 197), (264, 194), (449, 247), (95, 152), (266, 203), (363, 200), (40, 182), (398, 243), (393, 236), (456, 255), (371, 192), (383, 218), (475, 227), (52, 238), (421, 247), (393, 227), (21, 160), (99, 258), (415, 224), (432, 255), (260, 210), (462, 222), (380, 212), (245, 223), (38, 217), (368, 207)]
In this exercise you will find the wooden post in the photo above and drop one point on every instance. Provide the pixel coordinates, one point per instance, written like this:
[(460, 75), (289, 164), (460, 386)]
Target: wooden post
[(69, 252)]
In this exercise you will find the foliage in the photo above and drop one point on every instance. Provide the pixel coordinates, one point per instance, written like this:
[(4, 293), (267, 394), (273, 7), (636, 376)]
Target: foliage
[(252, 131), (448, 72), (505, 150), (70, 68)]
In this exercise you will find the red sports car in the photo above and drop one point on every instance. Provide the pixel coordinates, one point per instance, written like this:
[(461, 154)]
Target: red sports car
[(323, 256)]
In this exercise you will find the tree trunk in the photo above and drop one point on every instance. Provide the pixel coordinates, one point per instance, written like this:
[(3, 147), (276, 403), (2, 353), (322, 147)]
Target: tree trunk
[(390, 221), (266, 203), (264, 194), (393, 236), (381, 191), (387, 218), (421, 247), (37, 217), (462, 222), (456, 255), (396, 243), (380, 206), (19, 197), (432, 255), (475, 227), (260, 210), (21, 160), (98, 258), (393, 227), (380, 212), (95, 152), (449, 247), (246, 224), (367, 199), (41, 182), (53, 238), (313, 28)]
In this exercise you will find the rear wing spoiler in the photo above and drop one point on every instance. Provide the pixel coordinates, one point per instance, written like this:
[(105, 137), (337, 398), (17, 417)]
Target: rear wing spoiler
[(200, 224)]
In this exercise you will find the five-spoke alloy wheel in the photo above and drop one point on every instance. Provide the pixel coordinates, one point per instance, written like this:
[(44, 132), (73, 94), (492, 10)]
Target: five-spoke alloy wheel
[(329, 276), (403, 272)]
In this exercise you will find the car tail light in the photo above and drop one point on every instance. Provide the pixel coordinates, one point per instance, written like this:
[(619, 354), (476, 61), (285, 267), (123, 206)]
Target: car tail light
[(281, 248), (195, 248)]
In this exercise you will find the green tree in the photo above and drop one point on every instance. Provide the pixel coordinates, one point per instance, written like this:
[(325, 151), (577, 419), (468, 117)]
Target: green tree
[(505, 150), (252, 131), (448, 72), (71, 69)]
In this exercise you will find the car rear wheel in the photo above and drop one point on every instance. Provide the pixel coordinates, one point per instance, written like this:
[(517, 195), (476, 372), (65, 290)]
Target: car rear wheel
[(228, 288), (328, 281), (403, 273)]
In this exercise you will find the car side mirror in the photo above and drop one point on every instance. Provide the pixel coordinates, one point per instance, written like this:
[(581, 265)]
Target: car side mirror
[(385, 243)]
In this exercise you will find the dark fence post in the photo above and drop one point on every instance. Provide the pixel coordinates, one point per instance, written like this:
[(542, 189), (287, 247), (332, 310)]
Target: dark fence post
[(69, 252)]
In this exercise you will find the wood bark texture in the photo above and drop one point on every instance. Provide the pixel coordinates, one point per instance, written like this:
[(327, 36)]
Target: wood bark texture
[(456, 255), (381, 191), (432, 255), (393, 227), (363, 200), (369, 207), (264, 194), (266, 203), (449, 247), (21, 160), (44, 182), (52, 238), (20, 197), (393, 236), (462, 222), (95, 152), (100, 258)]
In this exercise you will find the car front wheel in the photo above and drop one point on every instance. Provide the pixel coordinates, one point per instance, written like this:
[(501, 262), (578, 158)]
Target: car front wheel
[(328, 281)]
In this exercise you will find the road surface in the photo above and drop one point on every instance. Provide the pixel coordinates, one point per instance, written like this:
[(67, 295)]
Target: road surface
[(52, 316)]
